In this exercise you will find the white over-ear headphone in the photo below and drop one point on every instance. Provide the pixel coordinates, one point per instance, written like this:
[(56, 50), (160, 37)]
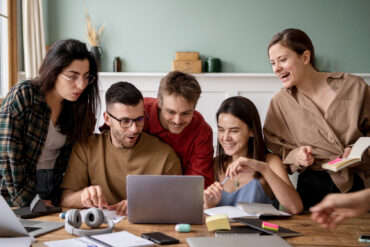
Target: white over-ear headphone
[(94, 218)]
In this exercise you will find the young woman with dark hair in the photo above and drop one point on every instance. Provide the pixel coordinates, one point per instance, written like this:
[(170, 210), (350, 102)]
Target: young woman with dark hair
[(255, 174), (316, 118), (40, 119)]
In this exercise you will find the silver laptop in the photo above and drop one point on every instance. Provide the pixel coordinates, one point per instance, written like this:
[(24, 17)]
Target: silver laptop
[(10, 226), (238, 241), (165, 199)]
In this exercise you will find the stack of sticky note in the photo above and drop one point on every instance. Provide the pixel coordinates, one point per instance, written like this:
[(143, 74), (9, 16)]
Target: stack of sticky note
[(270, 226), (217, 222)]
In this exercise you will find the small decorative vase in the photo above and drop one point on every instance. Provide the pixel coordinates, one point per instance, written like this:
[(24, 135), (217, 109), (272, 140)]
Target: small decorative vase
[(212, 65), (96, 52)]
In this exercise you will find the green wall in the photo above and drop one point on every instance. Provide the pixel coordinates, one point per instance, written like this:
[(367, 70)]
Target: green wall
[(147, 33)]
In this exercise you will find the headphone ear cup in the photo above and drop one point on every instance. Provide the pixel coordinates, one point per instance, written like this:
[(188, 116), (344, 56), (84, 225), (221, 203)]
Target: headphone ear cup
[(73, 217), (94, 217)]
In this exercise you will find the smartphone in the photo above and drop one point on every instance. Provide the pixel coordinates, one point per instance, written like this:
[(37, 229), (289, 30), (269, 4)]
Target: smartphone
[(364, 239), (160, 238)]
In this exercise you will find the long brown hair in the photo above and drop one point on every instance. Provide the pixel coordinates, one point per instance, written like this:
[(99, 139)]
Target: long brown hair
[(245, 110), (296, 40), (77, 119)]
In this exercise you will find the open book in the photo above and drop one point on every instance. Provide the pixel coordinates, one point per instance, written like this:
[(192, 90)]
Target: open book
[(247, 210), (355, 156)]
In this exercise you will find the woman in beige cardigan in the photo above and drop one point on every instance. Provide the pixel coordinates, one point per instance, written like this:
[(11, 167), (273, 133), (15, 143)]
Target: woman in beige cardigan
[(316, 118)]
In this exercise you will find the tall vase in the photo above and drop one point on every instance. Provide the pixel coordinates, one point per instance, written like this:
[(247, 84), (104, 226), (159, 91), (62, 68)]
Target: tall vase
[(96, 51)]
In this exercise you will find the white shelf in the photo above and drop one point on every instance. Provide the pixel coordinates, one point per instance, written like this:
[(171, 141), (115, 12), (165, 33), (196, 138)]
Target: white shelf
[(149, 74)]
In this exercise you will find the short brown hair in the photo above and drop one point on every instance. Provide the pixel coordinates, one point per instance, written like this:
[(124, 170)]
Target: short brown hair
[(296, 40), (181, 84)]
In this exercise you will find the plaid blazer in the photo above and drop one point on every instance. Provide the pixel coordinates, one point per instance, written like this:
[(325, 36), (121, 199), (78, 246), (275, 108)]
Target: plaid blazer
[(24, 122)]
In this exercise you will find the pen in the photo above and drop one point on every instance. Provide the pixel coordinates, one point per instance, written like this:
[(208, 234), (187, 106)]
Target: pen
[(225, 180), (98, 241)]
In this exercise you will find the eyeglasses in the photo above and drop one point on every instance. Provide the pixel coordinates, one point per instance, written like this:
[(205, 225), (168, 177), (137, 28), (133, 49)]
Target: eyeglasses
[(74, 78), (127, 122)]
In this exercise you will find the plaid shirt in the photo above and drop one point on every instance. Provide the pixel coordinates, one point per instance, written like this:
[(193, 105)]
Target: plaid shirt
[(24, 122)]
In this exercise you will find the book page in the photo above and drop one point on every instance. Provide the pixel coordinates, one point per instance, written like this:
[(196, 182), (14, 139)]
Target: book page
[(230, 211), (360, 146), (122, 239), (258, 208)]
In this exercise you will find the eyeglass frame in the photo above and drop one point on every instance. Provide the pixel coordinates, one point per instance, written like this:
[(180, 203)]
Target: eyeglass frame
[(132, 120), (68, 78)]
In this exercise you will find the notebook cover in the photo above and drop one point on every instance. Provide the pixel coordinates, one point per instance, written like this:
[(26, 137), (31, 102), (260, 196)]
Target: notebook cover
[(26, 213), (257, 224), (239, 230)]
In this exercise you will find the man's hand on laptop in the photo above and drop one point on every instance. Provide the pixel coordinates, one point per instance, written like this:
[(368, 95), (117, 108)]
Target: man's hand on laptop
[(121, 207), (93, 196)]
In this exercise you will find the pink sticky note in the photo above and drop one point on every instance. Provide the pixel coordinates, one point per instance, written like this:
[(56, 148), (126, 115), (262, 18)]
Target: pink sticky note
[(270, 226), (335, 161)]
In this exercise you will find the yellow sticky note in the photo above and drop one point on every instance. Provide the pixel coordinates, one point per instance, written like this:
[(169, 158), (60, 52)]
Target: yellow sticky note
[(217, 222)]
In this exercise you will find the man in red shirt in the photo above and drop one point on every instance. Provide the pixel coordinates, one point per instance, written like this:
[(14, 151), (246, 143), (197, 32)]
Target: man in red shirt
[(173, 118)]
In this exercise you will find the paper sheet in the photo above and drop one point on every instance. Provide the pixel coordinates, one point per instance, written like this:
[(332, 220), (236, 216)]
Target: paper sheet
[(258, 208), (122, 239), (231, 211)]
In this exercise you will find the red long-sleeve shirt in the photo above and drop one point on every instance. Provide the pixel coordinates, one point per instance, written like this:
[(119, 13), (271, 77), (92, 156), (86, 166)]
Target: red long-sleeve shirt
[(193, 145)]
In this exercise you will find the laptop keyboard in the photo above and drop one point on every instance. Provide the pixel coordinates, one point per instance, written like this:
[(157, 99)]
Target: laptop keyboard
[(31, 229)]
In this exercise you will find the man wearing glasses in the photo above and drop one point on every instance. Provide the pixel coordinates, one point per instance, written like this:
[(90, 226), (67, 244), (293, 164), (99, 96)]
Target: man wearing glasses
[(173, 119), (96, 173)]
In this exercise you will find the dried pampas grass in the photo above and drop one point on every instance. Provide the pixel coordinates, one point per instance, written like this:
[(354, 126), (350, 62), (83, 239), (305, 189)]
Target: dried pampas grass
[(93, 36)]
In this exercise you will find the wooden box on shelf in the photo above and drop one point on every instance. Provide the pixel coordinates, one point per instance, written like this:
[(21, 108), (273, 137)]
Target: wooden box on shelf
[(187, 62), (187, 66), (186, 55)]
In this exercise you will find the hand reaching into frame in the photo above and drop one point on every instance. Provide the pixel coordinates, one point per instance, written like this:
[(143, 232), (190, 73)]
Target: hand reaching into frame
[(335, 208)]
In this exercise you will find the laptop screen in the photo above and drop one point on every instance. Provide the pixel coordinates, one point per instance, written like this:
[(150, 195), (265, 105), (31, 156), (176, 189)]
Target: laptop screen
[(161, 198)]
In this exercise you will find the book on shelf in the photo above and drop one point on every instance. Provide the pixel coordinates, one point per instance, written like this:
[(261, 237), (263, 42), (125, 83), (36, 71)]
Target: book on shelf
[(247, 210), (358, 149)]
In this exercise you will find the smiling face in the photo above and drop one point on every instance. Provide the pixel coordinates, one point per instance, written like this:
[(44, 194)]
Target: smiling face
[(288, 65), (124, 137), (233, 135), (176, 113)]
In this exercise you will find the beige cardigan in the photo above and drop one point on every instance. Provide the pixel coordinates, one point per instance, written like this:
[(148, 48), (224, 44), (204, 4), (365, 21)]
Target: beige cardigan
[(293, 120)]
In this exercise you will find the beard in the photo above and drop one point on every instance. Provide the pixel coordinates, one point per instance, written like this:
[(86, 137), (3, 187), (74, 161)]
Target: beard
[(123, 139)]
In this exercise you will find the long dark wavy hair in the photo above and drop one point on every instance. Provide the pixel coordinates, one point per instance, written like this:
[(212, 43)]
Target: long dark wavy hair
[(246, 111), (77, 119)]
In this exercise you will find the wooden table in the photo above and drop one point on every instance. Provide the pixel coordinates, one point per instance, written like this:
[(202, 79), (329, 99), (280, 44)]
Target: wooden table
[(346, 234)]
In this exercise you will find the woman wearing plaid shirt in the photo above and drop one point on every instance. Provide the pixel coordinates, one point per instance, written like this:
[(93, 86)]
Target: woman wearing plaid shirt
[(40, 119)]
